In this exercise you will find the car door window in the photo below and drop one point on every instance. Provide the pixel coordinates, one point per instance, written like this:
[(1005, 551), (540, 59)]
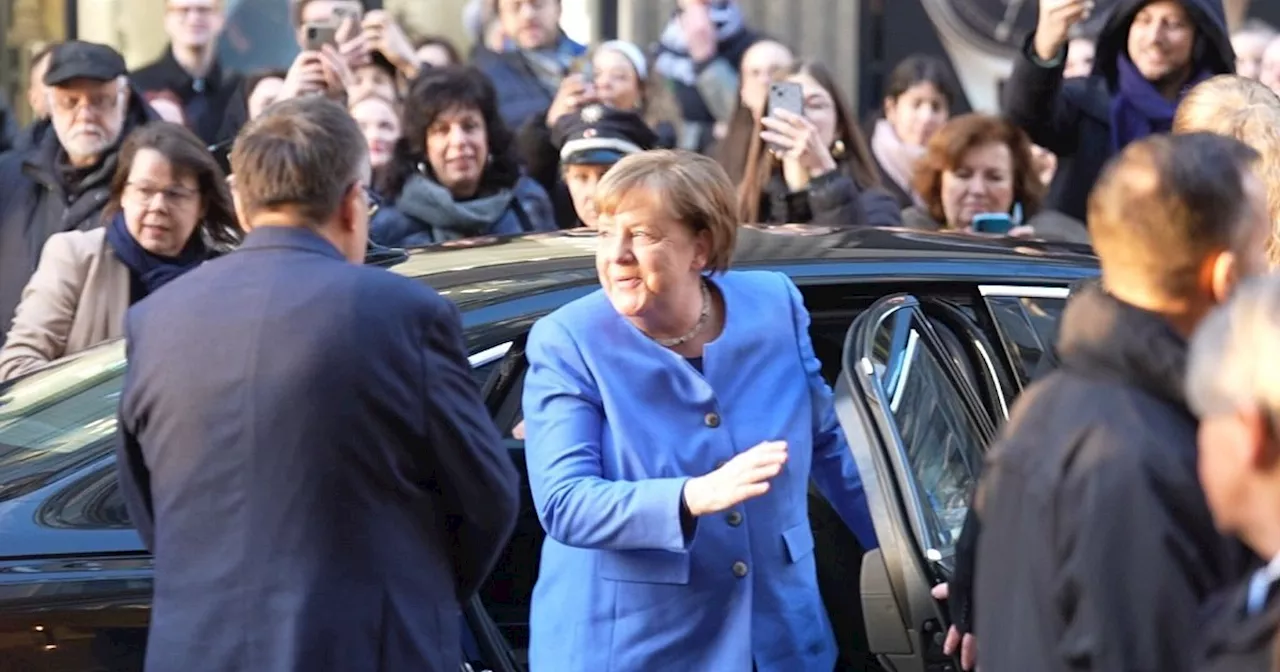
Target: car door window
[(1027, 320), (937, 434)]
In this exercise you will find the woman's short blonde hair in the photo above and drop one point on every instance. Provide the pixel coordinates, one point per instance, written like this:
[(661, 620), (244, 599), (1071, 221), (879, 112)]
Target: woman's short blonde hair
[(693, 189), (1248, 111)]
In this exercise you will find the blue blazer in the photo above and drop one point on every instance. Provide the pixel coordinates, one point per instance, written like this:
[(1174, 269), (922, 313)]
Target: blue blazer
[(303, 448), (616, 424)]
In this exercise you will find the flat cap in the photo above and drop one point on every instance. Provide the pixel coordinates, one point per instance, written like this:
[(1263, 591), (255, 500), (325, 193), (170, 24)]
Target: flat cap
[(83, 60)]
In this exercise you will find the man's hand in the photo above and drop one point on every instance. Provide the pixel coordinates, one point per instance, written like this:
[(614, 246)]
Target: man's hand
[(967, 644), (574, 92), (306, 76), (699, 31), (1057, 17), (354, 45), (385, 36), (744, 477), (337, 74)]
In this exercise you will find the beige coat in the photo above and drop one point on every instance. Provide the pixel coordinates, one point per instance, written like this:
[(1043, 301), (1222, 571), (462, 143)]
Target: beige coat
[(77, 298)]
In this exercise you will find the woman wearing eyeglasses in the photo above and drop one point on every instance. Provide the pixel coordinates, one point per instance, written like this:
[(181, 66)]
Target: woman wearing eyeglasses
[(169, 211)]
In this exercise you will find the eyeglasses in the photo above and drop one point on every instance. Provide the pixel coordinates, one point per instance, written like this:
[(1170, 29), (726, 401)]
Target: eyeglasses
[(98, 103), (196, 10), (146, 193), (371, 200), (519, 5)]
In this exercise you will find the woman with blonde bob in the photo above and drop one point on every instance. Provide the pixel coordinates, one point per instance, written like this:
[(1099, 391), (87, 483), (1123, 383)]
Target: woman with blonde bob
[(674, 420), (1248, 111)]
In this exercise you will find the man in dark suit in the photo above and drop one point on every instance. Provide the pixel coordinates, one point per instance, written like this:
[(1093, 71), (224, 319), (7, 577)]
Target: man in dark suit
[(302, 447), (1232, 386)]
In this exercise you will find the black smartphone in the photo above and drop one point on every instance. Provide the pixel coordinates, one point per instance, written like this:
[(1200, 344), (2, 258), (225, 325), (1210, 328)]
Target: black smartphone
[(341, 14), (222, 154)]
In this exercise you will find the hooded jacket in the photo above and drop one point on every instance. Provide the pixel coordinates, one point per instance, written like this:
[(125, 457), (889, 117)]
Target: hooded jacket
[(1072, 118), (36, 201)]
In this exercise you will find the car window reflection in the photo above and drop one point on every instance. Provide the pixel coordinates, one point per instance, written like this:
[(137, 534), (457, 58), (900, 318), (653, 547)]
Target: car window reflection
[(58, 419), (941, 441), (1028, 327)]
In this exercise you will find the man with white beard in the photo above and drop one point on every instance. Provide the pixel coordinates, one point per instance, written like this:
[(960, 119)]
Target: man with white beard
[(61, 182)]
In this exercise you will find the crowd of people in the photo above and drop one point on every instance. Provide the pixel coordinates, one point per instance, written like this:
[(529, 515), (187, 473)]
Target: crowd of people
[(203, 215)]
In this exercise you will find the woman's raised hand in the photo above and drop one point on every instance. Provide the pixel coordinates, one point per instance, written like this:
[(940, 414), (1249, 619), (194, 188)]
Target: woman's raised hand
[(799, 146), (744, 477)]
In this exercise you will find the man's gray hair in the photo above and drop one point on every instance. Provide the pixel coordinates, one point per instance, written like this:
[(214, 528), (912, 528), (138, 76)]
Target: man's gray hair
[(1234, 360), (303, 155)]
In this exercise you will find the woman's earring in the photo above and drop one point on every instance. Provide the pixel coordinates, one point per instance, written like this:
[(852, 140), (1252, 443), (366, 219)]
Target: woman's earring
[(837, 149), (422, 168)]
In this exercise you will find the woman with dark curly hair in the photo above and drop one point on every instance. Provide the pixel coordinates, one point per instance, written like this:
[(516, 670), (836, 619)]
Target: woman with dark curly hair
[(455, 173), (979, 164)]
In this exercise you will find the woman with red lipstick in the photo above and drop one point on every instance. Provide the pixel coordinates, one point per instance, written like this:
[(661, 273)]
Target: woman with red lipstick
[(673, 422), (169, 211)]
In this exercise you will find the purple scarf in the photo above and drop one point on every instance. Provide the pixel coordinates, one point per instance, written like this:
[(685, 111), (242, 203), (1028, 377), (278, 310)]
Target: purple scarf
[(1138, 109)]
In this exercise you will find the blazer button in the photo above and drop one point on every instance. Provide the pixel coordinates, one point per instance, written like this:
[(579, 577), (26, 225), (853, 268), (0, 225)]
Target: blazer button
[(734, 518), (712, 420), (739, 569)]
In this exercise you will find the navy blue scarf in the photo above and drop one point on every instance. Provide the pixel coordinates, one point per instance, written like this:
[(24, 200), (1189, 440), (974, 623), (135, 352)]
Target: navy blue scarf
[(1138, 109), (148, 271)]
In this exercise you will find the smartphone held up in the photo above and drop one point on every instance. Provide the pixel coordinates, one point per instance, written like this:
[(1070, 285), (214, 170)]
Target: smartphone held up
[(788, 96)]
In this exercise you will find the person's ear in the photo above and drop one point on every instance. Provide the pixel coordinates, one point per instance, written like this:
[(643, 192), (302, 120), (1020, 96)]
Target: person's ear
[(1259, 439), (701, 250), (1222, 275), (352, 206)]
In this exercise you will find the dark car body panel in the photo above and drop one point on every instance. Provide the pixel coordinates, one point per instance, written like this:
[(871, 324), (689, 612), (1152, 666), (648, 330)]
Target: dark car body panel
[(74, 578)]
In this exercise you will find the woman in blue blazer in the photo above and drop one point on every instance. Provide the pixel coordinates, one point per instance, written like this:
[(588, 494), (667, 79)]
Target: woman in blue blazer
[(673, 422)]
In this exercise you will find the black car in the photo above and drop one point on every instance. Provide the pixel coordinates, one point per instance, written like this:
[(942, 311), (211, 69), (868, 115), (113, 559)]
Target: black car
[(927, 339)]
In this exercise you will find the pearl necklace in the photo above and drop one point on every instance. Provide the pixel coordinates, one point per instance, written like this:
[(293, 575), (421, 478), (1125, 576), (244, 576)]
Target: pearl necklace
[(698, 327)]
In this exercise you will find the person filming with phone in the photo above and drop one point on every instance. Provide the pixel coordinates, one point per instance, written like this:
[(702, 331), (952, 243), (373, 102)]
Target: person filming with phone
[(808, 162), (978, 175), (1148, 54)]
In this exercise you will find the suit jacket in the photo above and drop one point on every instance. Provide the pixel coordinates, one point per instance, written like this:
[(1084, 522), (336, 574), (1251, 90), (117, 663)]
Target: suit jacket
[(1234, 641), (306, 454), (616, 424), (77, 298)]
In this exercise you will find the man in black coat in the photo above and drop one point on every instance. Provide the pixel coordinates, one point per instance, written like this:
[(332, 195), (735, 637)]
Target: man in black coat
[(60, 181), (1149, 53), (189, 69), (302, 445), (1097, 547), (1234, 388)]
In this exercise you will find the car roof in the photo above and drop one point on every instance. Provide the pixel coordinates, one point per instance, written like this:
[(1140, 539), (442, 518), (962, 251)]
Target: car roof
[(494, 268)]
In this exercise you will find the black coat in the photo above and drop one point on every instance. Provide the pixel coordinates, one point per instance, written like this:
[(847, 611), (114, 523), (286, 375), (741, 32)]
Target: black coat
[(215, 105), (1097, 547), (36, 201), (1072, 118), (8, 125), (1233, 641), (304, 450), (833, 199)]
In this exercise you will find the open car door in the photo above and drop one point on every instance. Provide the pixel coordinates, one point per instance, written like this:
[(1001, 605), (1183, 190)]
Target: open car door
[(918, 433)]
